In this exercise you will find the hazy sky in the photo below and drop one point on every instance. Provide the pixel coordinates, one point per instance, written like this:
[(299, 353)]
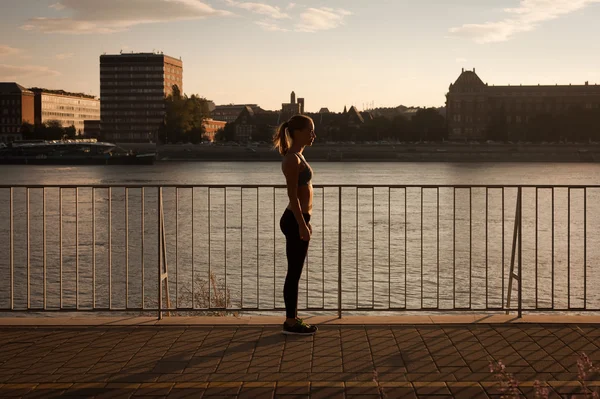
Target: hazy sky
[(331, 52)]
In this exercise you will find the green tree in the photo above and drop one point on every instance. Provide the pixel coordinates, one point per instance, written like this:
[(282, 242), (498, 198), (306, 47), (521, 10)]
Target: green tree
[(226, 134), (429, 124), (184, 118)]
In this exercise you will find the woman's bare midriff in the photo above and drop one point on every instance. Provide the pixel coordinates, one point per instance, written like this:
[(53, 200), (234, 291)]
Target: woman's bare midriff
[(305, 195)]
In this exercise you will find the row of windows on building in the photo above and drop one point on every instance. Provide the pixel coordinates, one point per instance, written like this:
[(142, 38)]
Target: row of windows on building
[(538, 106), (134, 83), (11, 111), (132, 106), (49, 107), (174, 70), (133, 98), (125, 91), (10, 129), (128, 77), (13, 121), (10, 102), (50, 115), (517, 93), (125, 68), (63, 100)]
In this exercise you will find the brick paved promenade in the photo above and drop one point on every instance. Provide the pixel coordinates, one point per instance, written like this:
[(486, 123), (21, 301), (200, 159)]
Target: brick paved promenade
[(415, 357)]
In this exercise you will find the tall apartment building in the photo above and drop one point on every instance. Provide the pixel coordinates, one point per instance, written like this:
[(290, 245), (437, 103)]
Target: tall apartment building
[(16, 108), (70, 109), (472, 106), (133, 88)]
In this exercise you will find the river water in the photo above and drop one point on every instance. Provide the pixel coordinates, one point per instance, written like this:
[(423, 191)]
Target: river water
[(401, 248)]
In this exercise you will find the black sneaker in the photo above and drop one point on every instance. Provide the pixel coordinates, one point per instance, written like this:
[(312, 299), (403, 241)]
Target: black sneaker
[(300, 328)]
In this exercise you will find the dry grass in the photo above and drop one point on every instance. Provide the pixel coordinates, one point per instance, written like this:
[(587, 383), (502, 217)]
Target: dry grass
[(509, 385), (211, 296)]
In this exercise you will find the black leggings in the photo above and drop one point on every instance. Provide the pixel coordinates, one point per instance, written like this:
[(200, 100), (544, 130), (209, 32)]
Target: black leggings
[(295, 249)]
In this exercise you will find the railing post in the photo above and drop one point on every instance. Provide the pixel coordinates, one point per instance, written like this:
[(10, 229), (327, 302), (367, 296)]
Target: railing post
[(159, 217), (340, 253), (520, 314)]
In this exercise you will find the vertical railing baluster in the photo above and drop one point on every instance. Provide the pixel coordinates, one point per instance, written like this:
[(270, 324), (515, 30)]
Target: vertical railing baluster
[(405, 248), (143, 213), (389, 247), (257, 249), (44, 242), (323, 246), (356, 266), (209, 257), (422, 283), (274, 254), (470, 247), (438, 249), (454, 249), (12, 250), (28, 250), (487, 193), (585, 248), (60, 237), (536, 246), (339, 252), (503, 269), (126, 248), (110, 248), (552, 289), (160, 243), (225, 241), (176, 247), (520, 252), (241, 247), (373, 247), (569, 248), (93, 248), (193, 279), (77, 248)]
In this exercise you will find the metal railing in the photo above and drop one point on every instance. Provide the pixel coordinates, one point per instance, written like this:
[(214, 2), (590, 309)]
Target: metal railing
[(396, 248)]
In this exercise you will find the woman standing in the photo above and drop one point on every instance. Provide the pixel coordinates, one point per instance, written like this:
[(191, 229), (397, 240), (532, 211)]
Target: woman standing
[(290, 140)]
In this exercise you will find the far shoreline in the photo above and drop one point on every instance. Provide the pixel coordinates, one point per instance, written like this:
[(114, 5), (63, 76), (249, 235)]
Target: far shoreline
[(413, 152)]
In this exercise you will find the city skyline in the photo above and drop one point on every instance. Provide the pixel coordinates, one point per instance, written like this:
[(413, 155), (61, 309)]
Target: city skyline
[(334, 54)]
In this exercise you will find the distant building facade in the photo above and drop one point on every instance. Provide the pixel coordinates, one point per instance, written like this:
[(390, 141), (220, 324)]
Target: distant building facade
[(292, 108), (473, 107), (16, 108), (70, 109), (133, 88), (258, 126), (229, 113), (211, 127)]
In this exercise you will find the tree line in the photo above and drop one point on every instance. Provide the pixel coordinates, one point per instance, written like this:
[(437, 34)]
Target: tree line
[(184, 118)]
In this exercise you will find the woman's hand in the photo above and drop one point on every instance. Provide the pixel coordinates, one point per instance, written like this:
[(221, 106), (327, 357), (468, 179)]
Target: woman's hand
[(310, 228), (305, 232)]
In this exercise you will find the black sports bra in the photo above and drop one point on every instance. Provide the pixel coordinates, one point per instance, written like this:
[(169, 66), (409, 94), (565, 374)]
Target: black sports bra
[(305, 175)]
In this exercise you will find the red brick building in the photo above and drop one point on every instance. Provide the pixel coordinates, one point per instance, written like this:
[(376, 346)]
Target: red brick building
[(211, 127), (473, 106), (16, 108)]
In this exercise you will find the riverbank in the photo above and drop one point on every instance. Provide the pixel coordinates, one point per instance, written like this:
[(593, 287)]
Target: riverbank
[(447, 152)]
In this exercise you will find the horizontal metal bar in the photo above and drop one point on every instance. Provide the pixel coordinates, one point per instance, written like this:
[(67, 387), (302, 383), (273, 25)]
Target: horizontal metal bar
[(360, 186)]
